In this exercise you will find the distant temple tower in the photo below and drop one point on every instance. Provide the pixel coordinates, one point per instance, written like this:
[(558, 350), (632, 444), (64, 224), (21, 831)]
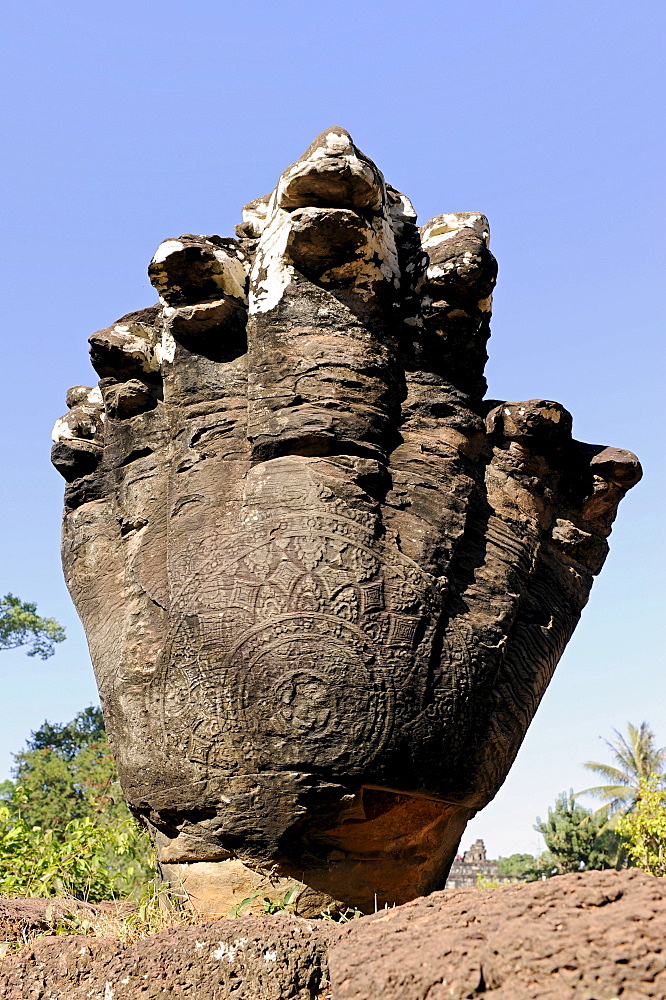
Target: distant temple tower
[(465, 869), (476, 854)]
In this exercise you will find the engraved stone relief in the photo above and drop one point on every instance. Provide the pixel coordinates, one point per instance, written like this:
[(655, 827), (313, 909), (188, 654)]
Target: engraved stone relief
[(325, 582)]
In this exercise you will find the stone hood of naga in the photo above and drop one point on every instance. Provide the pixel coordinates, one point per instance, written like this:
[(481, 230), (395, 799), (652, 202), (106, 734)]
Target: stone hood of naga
[(325, 580)]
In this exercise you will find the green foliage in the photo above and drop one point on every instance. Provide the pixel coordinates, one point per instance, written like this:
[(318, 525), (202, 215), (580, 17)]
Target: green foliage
[(66, 806), (523, 867), (576, 839), (20, 625), (645, 827), (482, 882), (282, 905), (85, 729), (34, 862), (266, 904), (635, 757), (157, 907), (68, 772)]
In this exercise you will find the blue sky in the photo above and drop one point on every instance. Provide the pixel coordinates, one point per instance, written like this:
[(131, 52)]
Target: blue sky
[(131, 122)]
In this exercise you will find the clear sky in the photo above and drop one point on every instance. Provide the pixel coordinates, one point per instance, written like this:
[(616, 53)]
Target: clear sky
[(130, 122)]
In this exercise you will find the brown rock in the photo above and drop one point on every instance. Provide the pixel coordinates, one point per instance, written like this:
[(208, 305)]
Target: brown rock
[(125, 399), (253, 958), (594, 936), (324, 582)]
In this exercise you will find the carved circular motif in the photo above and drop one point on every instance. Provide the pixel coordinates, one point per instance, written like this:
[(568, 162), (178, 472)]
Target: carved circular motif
[(303, 690), (302, 703), (309, 692)]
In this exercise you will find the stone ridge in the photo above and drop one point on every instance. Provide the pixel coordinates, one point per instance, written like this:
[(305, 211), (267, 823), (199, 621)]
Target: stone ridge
[(252, 958), (590, 936)]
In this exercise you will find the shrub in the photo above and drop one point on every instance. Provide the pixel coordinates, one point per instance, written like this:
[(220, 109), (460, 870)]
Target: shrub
[(645, 827), (88, 862)]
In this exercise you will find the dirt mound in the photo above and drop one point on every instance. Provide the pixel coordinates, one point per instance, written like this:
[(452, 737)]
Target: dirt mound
[(593, 936)]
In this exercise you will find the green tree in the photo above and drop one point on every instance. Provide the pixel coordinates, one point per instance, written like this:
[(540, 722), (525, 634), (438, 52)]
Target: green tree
[(86, 728), (524, 867), (67, 772), (645, 827), (66, 788), (20, 625), (576, 839), (89, 862), (635, 758)]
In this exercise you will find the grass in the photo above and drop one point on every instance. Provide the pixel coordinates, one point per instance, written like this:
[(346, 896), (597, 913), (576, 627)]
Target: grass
[(155, 908)]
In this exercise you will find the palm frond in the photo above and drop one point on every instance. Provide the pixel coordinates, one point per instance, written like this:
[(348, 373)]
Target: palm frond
[(635, 757), (606, 771), (637, 753), (610, 792)]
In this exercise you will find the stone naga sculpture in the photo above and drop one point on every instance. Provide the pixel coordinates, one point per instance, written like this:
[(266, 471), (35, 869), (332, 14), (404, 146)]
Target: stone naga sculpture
[(325, 583)]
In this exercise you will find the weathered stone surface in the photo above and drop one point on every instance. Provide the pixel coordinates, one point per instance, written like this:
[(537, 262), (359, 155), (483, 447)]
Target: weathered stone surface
[(593, 936), (272, 958), (324, 582)]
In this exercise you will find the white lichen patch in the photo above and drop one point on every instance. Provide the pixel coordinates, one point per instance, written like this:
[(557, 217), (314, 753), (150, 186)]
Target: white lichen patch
[(568, 533), (165, 250), (62, 430), (135, 329), (337, 143), (400, 210), (270, 956), (166, 350), (271, 273), (228, 951), (84, 395), (255, 213), (137, 348), (445, 227), (81, 422), (231, 276)]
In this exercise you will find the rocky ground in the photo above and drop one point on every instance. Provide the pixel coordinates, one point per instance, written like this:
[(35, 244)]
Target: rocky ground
[(593, 936)]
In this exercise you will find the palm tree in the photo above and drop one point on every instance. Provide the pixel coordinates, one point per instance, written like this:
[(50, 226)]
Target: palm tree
[(636, 758)]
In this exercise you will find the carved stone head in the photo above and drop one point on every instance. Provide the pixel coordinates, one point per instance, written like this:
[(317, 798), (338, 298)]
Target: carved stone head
[(325, 582)]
